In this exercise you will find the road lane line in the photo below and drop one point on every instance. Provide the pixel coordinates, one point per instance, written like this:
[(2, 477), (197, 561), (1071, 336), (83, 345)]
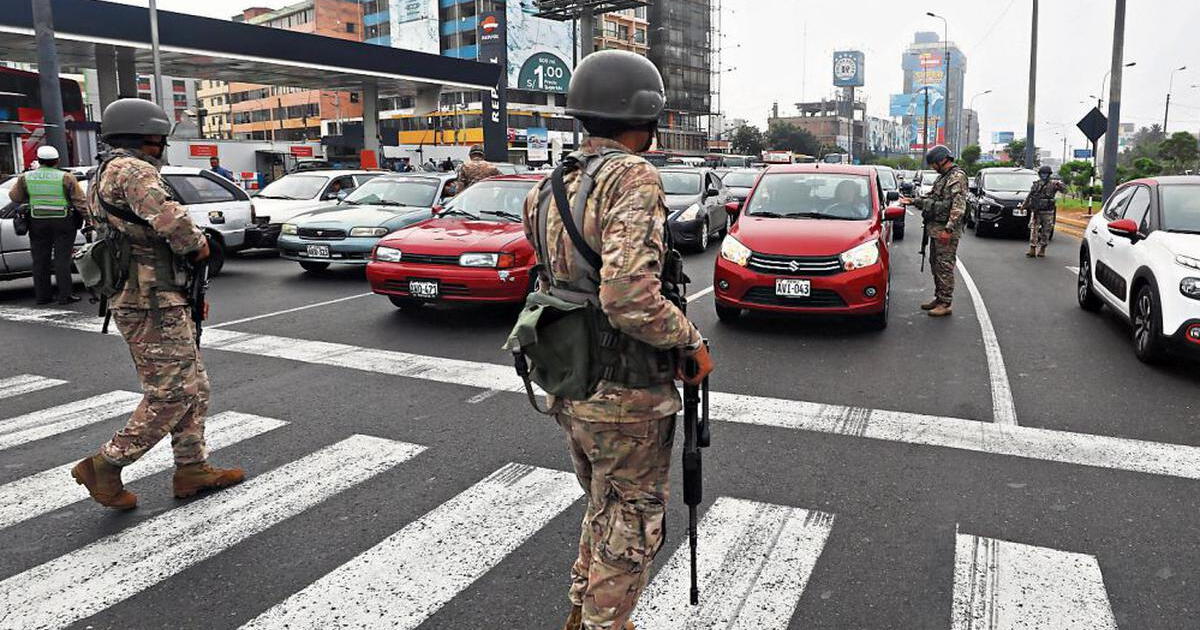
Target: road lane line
[(1004, 411), (1073, 270), (290, 310), (757, 559), (1099, 451), (1001, 585), (51, 489), (85, 581), (699, 294), (47, 422), (404, 580), (482, 396), (25, 384)]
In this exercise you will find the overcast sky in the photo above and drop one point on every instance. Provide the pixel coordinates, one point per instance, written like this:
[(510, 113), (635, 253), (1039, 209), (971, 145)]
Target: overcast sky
[(781, 50)]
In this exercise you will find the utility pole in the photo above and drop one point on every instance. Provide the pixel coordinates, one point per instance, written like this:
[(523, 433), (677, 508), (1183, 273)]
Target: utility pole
[(1114, 101), (1030, 148), (1167, 109), (52, 107), (158, 84)]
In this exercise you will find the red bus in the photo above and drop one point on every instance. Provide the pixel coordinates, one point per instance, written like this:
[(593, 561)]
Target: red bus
[(21, 102)]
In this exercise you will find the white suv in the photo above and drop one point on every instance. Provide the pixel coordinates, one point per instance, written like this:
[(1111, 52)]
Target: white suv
[(1141, 257)]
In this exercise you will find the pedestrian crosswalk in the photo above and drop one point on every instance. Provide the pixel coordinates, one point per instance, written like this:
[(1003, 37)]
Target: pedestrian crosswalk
[(757, 558)]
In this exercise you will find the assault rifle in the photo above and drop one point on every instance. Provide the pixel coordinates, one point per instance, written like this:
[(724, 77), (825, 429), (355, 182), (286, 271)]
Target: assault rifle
[(197, 294), (924, 243)]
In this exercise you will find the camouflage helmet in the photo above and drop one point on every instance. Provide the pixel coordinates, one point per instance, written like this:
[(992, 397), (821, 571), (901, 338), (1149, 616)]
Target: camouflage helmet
[(1045, 170), (476, 149), (134, 117), (616, 85), (937, 154)]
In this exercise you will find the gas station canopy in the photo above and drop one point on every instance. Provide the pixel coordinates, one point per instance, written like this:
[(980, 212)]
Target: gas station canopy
[(224, 50)]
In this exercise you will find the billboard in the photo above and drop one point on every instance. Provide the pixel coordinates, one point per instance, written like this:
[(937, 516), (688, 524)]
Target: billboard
[(848, 68), (538, 141), (414, 26), (539, 50), (926, 73), (1083, 154), (1003, 137)]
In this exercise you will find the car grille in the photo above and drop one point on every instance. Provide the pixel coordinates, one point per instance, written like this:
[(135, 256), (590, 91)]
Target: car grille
[(820, 298), (400, 286), (327, 234), (795, 265), (428, 259)]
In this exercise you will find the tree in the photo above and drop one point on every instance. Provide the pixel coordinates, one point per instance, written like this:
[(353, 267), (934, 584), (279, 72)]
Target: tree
[(1180, 151), (1077, 174), (787, 137), (1016, 153), (1145, 167), (748, 140), (970, 158)]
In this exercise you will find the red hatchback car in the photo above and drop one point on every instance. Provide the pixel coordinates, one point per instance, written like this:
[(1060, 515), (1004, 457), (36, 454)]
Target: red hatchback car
[(473, 250), (810, 239)]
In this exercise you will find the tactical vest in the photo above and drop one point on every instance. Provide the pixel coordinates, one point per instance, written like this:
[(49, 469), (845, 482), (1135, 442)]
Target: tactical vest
[(937, 211), (47, 198), (562, 330), (1040, 200)]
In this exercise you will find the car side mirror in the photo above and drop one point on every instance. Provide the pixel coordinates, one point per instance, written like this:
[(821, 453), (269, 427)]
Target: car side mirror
[(906, 189), (894, 213), (893, 195), (733, 207), (437, 209), (974, 188), (1125, 228), (711, 192)]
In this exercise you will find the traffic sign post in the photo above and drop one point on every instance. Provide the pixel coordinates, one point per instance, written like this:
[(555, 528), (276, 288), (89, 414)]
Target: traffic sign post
[(1093, 125)]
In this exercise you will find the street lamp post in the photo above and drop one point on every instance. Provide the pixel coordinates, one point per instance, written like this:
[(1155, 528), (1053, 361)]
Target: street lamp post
[(945, 77), (971, 108), (1104, 83), (1167, 108)]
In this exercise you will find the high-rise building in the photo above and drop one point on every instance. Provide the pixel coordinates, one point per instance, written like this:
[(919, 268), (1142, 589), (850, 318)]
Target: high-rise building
[(970, 127), (217, 121), (627, 29), (925, 77), (680, 45)]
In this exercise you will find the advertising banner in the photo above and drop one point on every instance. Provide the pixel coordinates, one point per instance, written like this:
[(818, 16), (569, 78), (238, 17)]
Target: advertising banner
[(202, 150), (848, 68), (539, 50), (415, 26), (900, 104), (1003, 137), (538, 139), (493, 48)]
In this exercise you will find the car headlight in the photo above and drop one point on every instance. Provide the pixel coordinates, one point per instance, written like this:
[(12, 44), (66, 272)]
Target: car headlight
[(1188, 261), (861, 256), (733, 251), (387, 254), (689, 214), (288, 228), (1190, 287), (368, 231), (496, 260)]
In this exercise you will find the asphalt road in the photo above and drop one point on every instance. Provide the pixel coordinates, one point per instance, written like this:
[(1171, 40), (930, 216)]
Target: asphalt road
[(858, 479)]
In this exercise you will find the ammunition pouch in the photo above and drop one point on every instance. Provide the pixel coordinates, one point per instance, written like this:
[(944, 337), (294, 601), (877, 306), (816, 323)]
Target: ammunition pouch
[(939, 211), (1042, 203)]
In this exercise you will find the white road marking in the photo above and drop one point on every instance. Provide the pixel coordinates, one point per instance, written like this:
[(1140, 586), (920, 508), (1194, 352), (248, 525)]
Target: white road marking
[(756, 561), (699, 294), (482, 396), (25, 383), (52, 489), (286, 311), (1073, 270), (405, 579), (41, 424), (1001, 585), (1004, 411), (1157, 458), (81, 583)]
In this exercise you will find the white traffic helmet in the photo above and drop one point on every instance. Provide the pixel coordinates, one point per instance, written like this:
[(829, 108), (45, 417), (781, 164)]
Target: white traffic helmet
[(46, 153)]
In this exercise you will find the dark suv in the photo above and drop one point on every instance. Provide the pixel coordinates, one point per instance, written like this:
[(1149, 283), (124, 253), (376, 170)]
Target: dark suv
[(995, 195)]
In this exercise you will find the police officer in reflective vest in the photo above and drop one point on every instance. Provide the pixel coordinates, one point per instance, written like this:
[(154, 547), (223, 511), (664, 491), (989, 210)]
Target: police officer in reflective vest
[(151, 311), (1041, 206), (56, 207), (607, 249)]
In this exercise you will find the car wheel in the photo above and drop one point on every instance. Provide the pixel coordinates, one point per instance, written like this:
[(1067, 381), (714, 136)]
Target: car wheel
[(216, 256), (982, 229), (898, 231), (702, 242), (1147, 325), (1088, 300), (728, 314), (728, 223), (314, 267), (403, 302)]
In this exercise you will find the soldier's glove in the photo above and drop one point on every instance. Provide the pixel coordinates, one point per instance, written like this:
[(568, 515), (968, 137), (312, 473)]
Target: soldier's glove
[(702, 366)]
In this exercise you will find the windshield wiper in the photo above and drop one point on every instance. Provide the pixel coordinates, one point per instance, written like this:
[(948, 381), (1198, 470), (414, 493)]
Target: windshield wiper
[(773, 215), (812, 215), (262, 196), (461, 213), (502, 213)]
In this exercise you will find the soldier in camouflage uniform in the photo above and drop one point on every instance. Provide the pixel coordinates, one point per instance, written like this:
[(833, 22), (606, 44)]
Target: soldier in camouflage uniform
[(1041, 207), (476, 169), (943, 209), (151, 311), (619, 439)]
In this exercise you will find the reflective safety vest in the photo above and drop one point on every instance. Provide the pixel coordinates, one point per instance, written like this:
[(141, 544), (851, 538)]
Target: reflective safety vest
[(47, 199)]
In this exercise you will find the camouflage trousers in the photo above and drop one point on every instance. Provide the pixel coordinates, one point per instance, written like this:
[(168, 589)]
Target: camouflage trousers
[(941, 262), (174, 383), (624, 470), (1041, 226)]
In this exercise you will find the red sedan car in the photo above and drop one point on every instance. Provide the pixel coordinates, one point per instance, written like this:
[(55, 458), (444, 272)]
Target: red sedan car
[(473, 250), (810, 239)]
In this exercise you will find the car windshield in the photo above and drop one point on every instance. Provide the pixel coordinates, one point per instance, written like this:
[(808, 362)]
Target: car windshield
[(294, 187), (1180, 208), (1009, 182), (679, 183), (887, 179), (489, 199), (812, 196), (415, 191), (740, 180)]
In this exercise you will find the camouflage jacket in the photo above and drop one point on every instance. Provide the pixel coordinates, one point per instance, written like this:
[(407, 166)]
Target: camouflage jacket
[(952, 186), (1043, 190), (624, 222), (130, 179), (475, 171)]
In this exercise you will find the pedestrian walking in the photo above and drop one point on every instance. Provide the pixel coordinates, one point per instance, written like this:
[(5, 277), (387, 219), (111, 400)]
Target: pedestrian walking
[(57, 208), (943, 209), (1042, 209)]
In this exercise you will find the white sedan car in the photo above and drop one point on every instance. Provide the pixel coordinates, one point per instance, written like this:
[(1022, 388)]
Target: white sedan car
[(1141, 257)]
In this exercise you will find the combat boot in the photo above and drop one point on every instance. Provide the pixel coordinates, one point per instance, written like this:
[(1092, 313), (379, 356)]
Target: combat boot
[(929, 306), (1041, 252), (941, 310), (103, 482), (192, 478), (1032, 252), (575, 619)]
